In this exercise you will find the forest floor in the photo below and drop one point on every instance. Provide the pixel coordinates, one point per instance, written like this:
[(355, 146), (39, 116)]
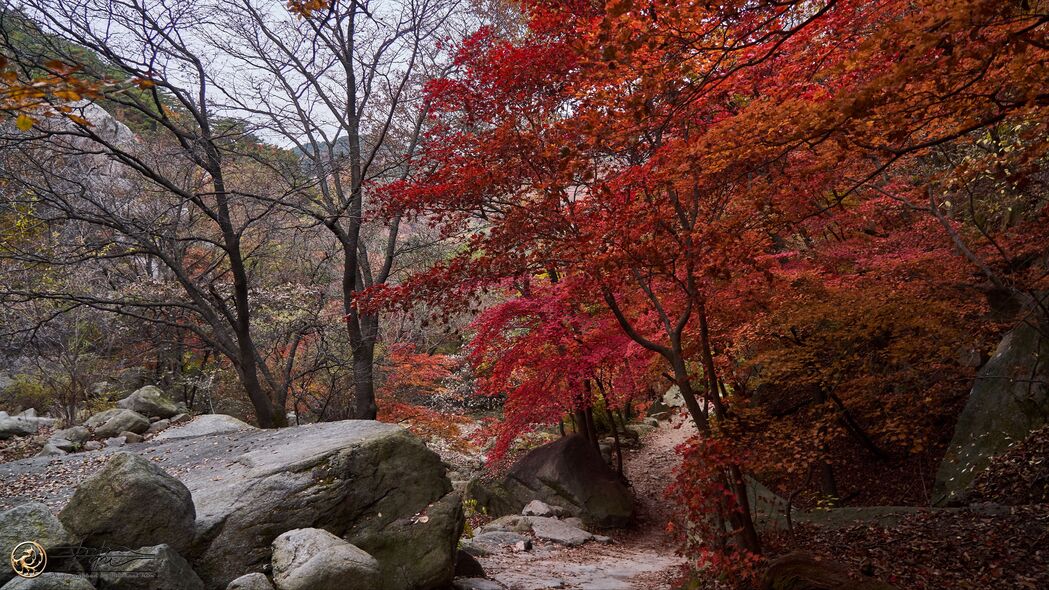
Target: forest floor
[(640, 557)]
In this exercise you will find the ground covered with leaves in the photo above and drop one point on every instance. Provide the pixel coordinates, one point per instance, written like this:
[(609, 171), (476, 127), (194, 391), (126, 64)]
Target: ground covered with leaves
[(974, 548)]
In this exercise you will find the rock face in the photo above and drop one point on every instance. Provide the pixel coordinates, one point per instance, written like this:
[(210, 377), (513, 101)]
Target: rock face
[(802, 571), (131, 502), (568, 473), (149, 568), (374, 485), (203, 425), (50, 581), (149, 401), (110, 423), (30, 522), (314, 559), (1008, 402)]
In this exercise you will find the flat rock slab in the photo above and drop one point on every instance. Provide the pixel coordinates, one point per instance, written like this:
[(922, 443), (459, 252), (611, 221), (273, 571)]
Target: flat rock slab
[(558, 531)]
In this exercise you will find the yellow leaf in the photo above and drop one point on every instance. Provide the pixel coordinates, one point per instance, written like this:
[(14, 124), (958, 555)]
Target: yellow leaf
[(24, 122)]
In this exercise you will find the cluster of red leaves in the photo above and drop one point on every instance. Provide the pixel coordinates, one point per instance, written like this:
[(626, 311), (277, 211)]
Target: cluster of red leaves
[(540, 348), (699, 487), (966, 549), (1018, 476)]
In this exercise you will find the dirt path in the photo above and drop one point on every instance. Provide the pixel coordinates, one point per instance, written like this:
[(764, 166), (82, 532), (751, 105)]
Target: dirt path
[(639, 558)]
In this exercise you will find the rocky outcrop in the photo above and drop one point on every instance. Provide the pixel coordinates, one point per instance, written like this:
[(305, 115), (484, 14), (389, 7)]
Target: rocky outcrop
[(803, 571), (150, 401), (131, 502), (374, 485), (111, 423), (30, 522), (148, 568), (567, 473), (1009, 400), (314, 559)]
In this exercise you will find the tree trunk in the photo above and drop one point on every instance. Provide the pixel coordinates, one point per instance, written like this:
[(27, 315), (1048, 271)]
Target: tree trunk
[(364, 382)]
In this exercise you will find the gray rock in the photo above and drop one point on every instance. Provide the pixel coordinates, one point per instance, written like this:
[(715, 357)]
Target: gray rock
[(314, 559), (28, 413), (551, 529), (540, 508), (1009, 400), (131, 502), (255, 581), (158, 426), (50, 581), (568, 473), (74, 434), (52, 450), (491, 542), (30, 522), (512, 522), (148, 568), (204, 425), (110, 423), (93, 445), (150, 401), (115, 442), (131, 437), (13, 426), (476, 584)]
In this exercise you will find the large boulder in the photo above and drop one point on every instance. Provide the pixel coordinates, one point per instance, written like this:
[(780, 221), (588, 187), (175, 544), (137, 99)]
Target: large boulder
[(314, 559), (110, 423), (1009, 400), (131, 502), (50, 581), (204, 425), (568, 473), (30, 522), (148, 568), (375, 485), (150, 401)]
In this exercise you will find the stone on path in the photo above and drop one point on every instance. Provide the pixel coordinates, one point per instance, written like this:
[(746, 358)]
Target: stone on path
[(552, 529), (487, 543)]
